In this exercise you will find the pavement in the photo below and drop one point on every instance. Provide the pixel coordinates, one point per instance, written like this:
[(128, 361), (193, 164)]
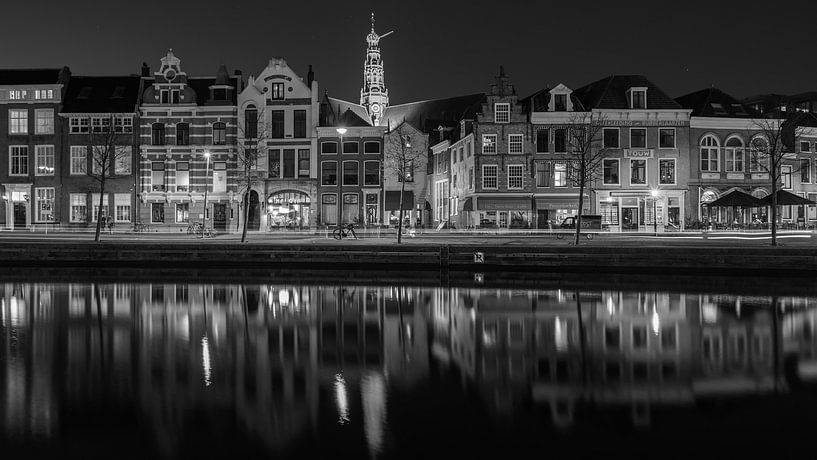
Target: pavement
[(691, 239)]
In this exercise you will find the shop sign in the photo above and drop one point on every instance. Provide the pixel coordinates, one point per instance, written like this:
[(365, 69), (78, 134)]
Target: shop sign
[(638, 153), (645, 123), (710, 176), (504, 204)]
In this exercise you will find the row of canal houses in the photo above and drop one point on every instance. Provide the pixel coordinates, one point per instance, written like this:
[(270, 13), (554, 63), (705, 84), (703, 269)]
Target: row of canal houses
[(486, 160)]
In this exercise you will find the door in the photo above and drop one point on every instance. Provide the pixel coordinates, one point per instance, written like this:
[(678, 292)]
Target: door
[(220, 216), (19, 215), (254, 219), (629, 219), (542, 218)]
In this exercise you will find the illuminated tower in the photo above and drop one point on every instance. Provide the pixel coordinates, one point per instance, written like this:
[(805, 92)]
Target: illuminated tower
[(374, 96)]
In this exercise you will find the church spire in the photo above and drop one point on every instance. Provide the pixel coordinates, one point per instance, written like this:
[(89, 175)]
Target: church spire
[(373, 95)]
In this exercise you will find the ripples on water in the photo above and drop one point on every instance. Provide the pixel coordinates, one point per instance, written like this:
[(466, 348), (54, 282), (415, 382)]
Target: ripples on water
[(201, 370)]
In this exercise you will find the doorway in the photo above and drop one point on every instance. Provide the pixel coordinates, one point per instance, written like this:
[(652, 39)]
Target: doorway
[(542, 218), (220, 216), (20, 212), (629, 219), (254, 217)]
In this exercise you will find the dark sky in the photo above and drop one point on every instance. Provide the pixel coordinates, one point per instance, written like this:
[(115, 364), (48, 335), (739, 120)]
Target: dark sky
[(439, 48)]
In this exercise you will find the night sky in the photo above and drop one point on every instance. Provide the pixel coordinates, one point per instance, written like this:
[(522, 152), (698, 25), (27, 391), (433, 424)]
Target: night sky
[(439, 48)]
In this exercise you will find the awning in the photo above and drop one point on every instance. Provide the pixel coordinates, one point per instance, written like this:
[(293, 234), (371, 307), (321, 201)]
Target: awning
[(785, 198), (504, 203), (393, 200), (737, 199), (467, 204)]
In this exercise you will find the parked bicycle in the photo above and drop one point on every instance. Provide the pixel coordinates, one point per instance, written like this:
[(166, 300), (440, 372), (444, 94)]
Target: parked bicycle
[(206, 232), (195, 228), (343, 231), (140, 227)]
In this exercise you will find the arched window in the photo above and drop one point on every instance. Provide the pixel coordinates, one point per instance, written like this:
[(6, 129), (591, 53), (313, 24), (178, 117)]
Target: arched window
[(709, 154), (734, 155), (182, 134), (219, 133), (251, 122), (158, 134), (759, 155)]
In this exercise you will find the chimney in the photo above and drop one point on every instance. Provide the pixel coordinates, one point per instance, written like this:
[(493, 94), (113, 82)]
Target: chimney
[(310, 77), (145, 69)]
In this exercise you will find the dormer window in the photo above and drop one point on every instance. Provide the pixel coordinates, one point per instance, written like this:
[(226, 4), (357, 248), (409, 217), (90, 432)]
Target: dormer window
[(502, 113), (165, 96), (277, 91), (174, 96), (560, 103), (220, 94), (638, 98), (717, 108)]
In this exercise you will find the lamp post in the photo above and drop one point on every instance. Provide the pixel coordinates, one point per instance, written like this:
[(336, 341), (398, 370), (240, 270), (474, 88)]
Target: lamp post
[(654, 194), (206, 186), (341, 132)]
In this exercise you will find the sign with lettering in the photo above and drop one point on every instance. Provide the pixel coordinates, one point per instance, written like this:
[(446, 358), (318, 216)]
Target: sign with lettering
[(646, 123), (710, 176), (638, 153), (479, 257)]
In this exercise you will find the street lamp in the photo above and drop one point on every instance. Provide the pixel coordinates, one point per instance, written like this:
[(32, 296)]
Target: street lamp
[(341, 132), (654, 194), (206, 186)]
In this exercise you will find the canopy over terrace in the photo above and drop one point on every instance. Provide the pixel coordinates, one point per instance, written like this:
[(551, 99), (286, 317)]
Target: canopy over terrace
[(785, 198), (736, 199)]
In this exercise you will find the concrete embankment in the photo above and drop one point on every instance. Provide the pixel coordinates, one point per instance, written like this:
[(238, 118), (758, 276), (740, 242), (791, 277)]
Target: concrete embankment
[(765, 261)]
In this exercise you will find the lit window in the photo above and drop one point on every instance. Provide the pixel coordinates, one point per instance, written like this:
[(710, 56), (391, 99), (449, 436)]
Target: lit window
[(219, 133), (560, 174), (44, 202), (79, 207), (44, 121), (502, 113), (277, 91), (44, 160), (182, 176), (122, 160), (489, 143), (666, 171), (18, 121), (122, 202)]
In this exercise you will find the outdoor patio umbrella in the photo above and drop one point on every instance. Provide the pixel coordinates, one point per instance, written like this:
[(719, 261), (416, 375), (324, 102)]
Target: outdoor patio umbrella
[(785, 198), (737, 199)]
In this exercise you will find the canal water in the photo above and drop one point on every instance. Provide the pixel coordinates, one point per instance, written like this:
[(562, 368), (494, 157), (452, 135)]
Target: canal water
[(289, 369)]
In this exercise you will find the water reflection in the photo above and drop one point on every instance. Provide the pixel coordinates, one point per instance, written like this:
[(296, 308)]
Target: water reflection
[(280, 366)]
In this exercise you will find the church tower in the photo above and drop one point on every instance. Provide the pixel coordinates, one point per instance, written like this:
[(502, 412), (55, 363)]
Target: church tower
[(374, 96)]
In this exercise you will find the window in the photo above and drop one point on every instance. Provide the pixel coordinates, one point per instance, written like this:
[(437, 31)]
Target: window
[(709, 154), (666, 138), (289, 163), (639, 336), (611, 138), (371, 173), (371, 147), (44, 202), (157, 213), (329, 147), (329, 173), (514, 143), (560, 103), (299, 125), (219, 177), (351, 147), (95, 206), (100, 124), (638, 99), (489, 143), (79, 207), (515, 180), (638, 172), (97, 153), (277, 131), (502, 113), (157, 176), (122, 207), (717, 108), (785, 175), (805, 146), (44, 160), (542, 174), (666, 171), (733, 155), (44, 121), (638, 138), (542, 139), (123, 124), (182, 176), (669, 338), (303, 163), (18, 121), (408, 173), (805, 171), (471, 178), (182, 134), (489, 176), (611, 172), (251, 122), (350, 173), (79, 125), (174, 96), (18, 160), (79, 159), (351, 208), (219, 133), (158, 134), (329, 208), (182, 213), (759, 156), (560, 140), (277, 91), (165, 96), (612, 336), (560, 174)]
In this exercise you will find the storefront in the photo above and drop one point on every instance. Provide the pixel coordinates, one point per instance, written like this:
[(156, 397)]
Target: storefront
[(504, 212), (412, 213), (551, 211), (641, 211), (288, 209), (734, 215)]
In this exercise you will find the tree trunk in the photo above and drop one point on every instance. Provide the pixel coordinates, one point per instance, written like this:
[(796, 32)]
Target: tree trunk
[(581, 204), (774, 210), (246, 215), (99, 212), (400, 220)]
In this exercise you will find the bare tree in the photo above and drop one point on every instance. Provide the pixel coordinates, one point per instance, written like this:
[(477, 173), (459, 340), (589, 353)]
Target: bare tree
[(768, 153), (585, 153), (111, 149), (249, 150), (401, 161)]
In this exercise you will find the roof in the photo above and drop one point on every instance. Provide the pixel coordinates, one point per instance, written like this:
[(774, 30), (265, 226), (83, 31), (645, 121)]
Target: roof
[(102, 94), (338, 106), (538, 101), (201, 87), (29, 76), (611, 93), (712, 102), (350, 118), (430, 114)]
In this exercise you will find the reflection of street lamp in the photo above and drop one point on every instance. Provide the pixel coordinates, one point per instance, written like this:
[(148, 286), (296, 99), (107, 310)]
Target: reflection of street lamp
[(654, 194), (206, 186), (339, 176)]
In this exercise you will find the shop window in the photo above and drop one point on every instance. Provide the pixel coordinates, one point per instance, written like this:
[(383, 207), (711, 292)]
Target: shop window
[(79, 207), (329, 209), (182, 176), (182, 213), (351, 208), (609, 212), (157, 213), (157, 176)]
